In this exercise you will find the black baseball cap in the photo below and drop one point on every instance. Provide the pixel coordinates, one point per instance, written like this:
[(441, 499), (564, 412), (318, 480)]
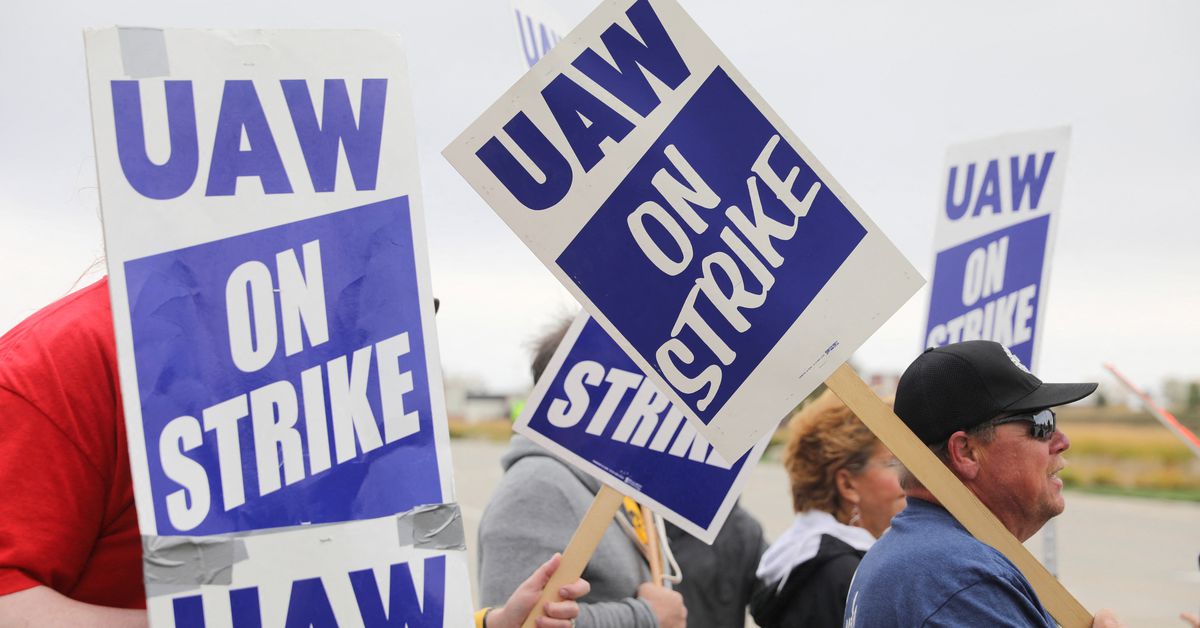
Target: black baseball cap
[(959, 386)]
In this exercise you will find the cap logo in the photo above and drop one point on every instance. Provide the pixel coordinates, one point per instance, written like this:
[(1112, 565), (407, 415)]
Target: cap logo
[(1015, 359)]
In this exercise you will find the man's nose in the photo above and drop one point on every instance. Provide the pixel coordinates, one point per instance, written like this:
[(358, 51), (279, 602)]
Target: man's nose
[(1059, 442)]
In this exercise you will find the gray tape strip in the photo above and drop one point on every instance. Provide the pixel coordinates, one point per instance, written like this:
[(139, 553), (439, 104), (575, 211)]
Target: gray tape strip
[(437, 526), (177, 564), (174, 564), (143, 52)]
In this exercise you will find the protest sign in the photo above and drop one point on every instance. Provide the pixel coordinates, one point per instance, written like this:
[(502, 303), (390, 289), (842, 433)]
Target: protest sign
[(593, 408), (539, 27), (274, 327), (674, 204), (385, 571), (993, 240)]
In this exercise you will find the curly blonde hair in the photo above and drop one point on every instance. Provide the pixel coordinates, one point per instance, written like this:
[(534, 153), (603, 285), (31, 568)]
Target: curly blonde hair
[(825, 438)]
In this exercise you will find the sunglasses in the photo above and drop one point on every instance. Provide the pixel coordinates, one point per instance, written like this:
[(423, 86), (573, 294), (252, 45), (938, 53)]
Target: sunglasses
[(1042, 423)]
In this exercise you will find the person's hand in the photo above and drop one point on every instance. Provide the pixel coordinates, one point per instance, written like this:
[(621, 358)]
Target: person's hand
[(667, 605), (1106, 619), (1190, 619), (521, 602)]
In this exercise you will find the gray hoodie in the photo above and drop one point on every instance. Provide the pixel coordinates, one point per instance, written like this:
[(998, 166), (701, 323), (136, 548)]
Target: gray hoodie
[(533, 513)]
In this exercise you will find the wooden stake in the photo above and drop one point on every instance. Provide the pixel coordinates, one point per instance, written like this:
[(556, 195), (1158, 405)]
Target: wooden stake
[(953, 495), (579, 551), (654, 556)]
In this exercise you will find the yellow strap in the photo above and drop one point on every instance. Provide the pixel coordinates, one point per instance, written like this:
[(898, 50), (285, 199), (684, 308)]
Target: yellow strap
[(636, 520), (480, 615)]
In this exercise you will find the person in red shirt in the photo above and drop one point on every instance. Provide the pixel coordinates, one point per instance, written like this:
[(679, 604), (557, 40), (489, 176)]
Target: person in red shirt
[(70, 551)]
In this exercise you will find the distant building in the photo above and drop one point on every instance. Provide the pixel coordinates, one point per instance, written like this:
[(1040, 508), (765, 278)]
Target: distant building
[(468, 400), (486, 407)]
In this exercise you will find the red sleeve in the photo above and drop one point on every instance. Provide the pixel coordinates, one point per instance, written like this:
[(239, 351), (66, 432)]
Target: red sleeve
[(51, 501)]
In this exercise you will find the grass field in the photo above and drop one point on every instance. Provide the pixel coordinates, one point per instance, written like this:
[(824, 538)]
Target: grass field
[(498, 430), (1136, 459)]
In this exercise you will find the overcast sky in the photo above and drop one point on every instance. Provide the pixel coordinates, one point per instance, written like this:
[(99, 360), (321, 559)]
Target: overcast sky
[(877, 90)]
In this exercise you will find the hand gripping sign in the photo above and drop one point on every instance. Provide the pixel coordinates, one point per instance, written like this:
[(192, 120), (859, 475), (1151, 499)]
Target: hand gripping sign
[(274, 328), (654, 182), (993, 240)]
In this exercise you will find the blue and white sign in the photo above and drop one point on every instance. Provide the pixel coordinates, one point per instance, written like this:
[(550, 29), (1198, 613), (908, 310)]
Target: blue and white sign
[(994, 236), (675, 205), (595, 409), (274, 325), (302, 391)]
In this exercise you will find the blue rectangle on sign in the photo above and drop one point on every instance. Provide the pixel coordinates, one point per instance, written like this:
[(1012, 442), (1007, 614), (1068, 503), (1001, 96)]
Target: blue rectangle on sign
[(600, 407), (267, 402), (989, 289), (697, 260)]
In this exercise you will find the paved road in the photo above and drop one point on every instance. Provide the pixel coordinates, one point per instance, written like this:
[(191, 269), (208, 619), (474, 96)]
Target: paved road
[(1136, 556)]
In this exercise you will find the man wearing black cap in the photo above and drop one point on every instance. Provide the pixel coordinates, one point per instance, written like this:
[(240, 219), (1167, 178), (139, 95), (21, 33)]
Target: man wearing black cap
[(990, 421)]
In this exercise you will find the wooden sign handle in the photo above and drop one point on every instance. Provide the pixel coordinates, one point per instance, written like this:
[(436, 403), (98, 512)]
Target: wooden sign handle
[(653, 545), (579, 551), (953, 495)]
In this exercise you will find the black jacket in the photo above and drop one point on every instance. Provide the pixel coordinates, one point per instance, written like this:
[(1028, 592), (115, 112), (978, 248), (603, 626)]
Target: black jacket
[(814, 593), (719, 579)]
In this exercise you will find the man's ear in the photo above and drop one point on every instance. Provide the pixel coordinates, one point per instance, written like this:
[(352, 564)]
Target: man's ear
[(963, 455)]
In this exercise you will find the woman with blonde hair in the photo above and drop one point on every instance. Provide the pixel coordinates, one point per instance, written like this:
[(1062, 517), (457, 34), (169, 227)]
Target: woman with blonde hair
[(845, 490)]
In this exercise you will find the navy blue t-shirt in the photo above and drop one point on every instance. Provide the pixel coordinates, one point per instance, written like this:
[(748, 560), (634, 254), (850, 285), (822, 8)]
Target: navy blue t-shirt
[(929, 571)]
